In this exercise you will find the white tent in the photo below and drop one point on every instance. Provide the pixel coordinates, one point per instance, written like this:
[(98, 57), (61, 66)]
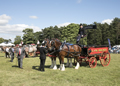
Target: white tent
[(2, 44), (9, 44)]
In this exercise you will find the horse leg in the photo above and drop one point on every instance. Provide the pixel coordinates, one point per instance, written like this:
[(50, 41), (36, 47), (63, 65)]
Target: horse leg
[(62, 64), (78, 65), (67, 62), (55, 67), (71, 65), (51, 62)]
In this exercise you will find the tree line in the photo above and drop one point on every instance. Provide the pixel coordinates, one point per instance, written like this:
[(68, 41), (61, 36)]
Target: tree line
[(69, 33)]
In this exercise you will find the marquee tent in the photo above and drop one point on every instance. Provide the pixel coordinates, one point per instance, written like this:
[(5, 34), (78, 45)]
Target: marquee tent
[(9, 44)]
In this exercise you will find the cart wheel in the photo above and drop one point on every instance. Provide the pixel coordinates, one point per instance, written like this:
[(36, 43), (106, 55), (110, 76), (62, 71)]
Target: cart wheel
[(75, 62), (92, 62), (105, 58)]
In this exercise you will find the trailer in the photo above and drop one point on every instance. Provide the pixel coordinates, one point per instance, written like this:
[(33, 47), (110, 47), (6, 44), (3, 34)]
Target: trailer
[(91, 54)]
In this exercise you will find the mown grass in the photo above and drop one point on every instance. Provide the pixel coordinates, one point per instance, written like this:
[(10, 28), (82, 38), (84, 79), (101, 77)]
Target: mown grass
[(11, 75)]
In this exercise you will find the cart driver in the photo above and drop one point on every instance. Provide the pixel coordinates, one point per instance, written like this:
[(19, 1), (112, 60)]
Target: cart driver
[(80, 34)]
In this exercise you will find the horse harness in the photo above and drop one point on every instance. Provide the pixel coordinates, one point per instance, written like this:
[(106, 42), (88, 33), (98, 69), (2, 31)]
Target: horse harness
[(68, 52)]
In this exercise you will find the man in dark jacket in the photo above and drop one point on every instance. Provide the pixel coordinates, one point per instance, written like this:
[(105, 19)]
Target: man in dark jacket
[(42, 57), (80, 34), (12, 53)]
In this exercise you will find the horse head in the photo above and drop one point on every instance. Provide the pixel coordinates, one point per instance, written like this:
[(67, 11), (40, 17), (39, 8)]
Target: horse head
[(54, 44), (47, 43)]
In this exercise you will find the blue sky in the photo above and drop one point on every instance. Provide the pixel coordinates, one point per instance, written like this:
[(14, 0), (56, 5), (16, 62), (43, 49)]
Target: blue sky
[(16, 15)]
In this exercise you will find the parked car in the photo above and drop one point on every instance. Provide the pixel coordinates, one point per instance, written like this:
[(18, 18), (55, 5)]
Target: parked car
[(115, 49)]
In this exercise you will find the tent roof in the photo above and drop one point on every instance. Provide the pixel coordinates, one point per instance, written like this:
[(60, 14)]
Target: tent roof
[(9, 44)]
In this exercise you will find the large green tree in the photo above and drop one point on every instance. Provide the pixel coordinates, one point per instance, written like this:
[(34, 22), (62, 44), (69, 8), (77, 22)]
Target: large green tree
[(38, 36), (28, 36), (17, 40), (1, 40), (70, 33)]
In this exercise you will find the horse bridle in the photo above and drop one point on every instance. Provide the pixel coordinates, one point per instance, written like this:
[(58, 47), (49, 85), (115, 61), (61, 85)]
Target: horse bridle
[(46, 45)]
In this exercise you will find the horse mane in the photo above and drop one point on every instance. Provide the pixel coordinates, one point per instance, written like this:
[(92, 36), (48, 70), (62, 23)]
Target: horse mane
[(58, 42)]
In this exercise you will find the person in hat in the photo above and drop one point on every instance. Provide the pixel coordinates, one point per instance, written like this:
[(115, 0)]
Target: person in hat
[(20, 56), (12, 53), (80, 34), (42, 57)]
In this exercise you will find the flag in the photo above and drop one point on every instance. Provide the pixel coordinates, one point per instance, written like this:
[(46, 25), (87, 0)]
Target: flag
[(109, 43)]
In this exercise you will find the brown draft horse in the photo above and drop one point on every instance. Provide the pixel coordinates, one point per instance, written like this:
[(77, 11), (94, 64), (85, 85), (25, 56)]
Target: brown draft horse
[(67, 50), (52, 54)]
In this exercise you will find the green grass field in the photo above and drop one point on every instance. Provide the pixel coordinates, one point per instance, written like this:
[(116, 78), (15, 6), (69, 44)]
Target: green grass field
[(11, 75)]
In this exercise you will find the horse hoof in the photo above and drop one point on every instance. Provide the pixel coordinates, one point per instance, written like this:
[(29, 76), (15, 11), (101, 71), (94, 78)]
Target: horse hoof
[(76, 68), (63, 70), (55, 68)]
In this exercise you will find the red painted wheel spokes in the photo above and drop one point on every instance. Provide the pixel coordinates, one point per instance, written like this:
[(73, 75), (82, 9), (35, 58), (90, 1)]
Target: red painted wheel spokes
[(92, 62), (105, 59)]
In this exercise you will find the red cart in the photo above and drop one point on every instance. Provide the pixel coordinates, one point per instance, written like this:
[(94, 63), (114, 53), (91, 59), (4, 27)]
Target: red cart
[(91, 54)]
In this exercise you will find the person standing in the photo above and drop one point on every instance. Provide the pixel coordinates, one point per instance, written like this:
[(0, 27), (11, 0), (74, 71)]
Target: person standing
[(42, 57), (7, 52), (21, 55), (12, 53), (80, 34)]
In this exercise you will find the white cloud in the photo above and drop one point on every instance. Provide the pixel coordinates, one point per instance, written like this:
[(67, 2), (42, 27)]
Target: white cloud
[(8, 31), (64, 24), (108, 21), (79, 1), (4, 19), (33, 17)]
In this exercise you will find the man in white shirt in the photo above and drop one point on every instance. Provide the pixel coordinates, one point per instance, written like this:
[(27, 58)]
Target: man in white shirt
[(7, 52)]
